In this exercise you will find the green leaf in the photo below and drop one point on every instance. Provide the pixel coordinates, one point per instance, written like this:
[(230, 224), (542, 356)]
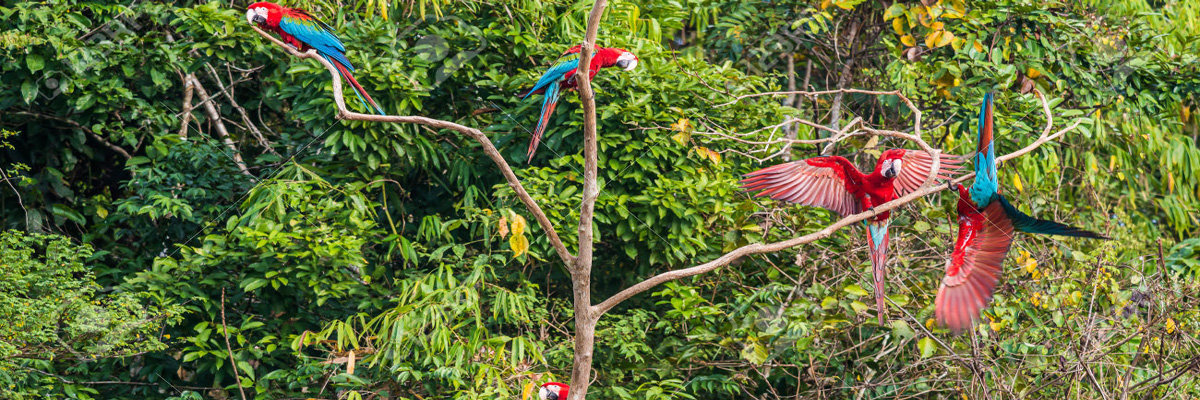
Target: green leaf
[(901, 329), (927, 347), (29, 90), (856, 291), (35, 62)]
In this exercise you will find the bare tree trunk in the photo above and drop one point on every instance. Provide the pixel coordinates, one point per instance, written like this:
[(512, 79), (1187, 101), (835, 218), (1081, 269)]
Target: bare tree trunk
[(581, 274)]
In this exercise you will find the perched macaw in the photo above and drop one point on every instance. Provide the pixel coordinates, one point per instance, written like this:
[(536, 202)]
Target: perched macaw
[(986, 222), (836, 184), (561, 76), (553, 391), (300, 29)]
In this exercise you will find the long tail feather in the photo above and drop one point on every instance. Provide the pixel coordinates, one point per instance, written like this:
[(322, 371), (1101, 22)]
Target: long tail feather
[(549, 102), (363, 97), (986, 182), (877, 235), (1028, 224)]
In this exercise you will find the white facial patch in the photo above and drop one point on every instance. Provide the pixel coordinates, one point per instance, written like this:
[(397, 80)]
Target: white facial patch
[(260, 13), (631, 60), (896, 166)]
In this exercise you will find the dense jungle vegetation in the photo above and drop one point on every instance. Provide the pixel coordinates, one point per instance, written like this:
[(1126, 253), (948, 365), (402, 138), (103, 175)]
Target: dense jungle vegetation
[(183, 215)]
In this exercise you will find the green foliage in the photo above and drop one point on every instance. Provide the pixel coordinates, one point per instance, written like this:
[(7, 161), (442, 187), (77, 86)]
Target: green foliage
[(364, 260), (54, 314)]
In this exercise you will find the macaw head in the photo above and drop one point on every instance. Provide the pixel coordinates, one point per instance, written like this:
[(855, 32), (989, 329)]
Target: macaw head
[(626, 61), (890, 163), (264, 14), (623, 59), (553, 391)]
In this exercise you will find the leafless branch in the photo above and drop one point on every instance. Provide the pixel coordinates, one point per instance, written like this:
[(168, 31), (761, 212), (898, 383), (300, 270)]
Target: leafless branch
[(214, 117)]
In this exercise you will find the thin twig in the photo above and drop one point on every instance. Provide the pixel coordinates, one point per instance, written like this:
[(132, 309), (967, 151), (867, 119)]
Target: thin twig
[(229, 348)]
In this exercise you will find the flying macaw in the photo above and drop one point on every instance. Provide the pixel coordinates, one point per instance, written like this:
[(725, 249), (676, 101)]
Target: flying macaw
[(986, 222), (553, 391), (561, 76), (300, 29), (836, 184)]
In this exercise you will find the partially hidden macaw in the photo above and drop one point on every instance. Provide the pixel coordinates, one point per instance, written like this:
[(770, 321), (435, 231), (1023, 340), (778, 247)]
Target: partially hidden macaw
[(986, 222), (561, 76), (300, 29), (553, 391), (834, 183)]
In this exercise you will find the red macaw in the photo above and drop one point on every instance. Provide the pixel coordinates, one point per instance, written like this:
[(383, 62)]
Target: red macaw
[(836, 184), (300, 29), (553, 391), (561, 76), (986, 222)]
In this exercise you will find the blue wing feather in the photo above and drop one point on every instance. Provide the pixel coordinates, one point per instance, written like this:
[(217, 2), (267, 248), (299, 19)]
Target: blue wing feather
[(556, 72), (317, 35)]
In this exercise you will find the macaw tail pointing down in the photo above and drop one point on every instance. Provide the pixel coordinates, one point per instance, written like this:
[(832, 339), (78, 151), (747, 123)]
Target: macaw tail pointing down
[(549, 102), (877, 241), (365, 98), (300, 29)]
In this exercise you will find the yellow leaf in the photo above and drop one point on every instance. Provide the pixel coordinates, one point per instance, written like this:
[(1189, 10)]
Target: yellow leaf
[(681, 137), (932, 38), (518, 224), (929, 323), (825, 4), (525, 391), (101, 212), (1017, 183), (908, 40), (503, 228), (1170, 182), (682, 125), (945, 38), (519, 244), (978, 46), (1121, 176), (1032, 73), (1171, 325), (845, 5), (1112, 162), (937, 26), (898, 25)]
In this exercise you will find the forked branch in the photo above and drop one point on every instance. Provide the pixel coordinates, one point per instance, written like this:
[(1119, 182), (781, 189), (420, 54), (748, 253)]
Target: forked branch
[(479, 136)]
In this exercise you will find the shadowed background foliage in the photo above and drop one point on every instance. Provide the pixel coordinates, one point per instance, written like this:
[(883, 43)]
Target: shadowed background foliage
[(352, 260)]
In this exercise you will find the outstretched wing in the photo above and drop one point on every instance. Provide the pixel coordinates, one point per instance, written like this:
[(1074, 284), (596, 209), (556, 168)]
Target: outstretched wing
[(916, 165), (812, 182), (975, 267)]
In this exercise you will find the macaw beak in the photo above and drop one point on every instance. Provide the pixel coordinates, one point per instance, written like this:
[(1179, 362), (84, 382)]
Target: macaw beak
[(253, 18), (627, 61), (546, 394), (889, 172)]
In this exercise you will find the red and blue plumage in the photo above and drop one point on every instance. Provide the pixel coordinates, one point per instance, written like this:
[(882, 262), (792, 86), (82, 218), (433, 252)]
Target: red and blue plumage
[(836, 184), (300, 29), (986, 222), (561, 76)]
